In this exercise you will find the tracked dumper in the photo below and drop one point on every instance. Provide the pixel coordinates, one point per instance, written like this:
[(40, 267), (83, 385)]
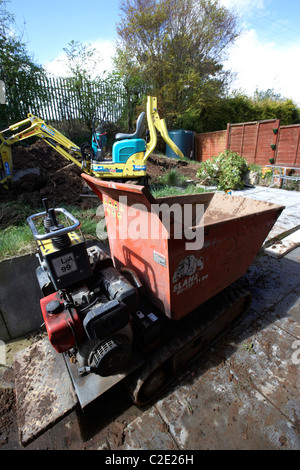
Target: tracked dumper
[(164, 293)]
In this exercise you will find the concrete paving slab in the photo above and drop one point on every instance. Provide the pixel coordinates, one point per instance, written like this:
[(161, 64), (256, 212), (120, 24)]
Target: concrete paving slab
[(275, 286), (265, 358), (284, 246), (289, 218), (277, 196), (243, 394), (294, 210), (221, 409), (288, 202), (285, 315), (17, 301), (149, 432), (294, 255), (282, 229)]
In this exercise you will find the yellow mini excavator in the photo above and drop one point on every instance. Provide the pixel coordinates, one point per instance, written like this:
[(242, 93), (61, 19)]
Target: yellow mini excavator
[(129, 153)]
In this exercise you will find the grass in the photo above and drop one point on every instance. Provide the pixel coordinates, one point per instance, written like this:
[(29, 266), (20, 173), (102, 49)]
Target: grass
[(172, 178), (173, 183), (16, 238), (87, 217), (164, 191)]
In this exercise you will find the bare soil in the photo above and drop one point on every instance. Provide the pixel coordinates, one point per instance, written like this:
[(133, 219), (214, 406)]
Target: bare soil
[(60, 181), (157, 165), (7, 410), (56, 179)]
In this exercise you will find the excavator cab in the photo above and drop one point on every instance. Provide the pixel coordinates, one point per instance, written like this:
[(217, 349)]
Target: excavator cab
[(138, 132), (127, 145), (128, 153)]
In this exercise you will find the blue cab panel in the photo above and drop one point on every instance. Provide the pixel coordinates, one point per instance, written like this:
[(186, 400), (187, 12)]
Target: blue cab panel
[(123, 149)]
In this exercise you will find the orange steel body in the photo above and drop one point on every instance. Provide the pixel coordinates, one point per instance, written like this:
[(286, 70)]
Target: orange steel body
[(176, 279)]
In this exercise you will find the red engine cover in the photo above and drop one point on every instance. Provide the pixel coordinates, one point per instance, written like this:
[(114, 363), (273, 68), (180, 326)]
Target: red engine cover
[(63, 326)]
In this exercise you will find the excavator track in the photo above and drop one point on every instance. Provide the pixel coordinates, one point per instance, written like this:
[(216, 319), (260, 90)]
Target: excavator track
[(191, 338)]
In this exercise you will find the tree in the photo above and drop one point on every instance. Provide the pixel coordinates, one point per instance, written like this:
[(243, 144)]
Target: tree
[(91, 92), (82, 61), (176, 48), (269, 105), (17, 69), (238, 107)]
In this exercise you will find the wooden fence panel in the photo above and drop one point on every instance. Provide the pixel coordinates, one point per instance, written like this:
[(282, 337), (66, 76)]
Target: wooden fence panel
[(257, 142), (253, 140), (288, 150), (248, 149), (266, 139), (235, 140)]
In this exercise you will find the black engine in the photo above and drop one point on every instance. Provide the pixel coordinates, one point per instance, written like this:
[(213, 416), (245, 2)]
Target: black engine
[(87, 304)]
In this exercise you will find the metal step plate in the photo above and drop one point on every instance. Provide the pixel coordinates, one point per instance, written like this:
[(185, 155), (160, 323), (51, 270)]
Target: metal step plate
[(91, 386), (44, 391)]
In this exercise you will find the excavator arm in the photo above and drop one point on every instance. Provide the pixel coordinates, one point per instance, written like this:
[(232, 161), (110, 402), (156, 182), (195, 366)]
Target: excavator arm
[(155, 122), (36, 127)]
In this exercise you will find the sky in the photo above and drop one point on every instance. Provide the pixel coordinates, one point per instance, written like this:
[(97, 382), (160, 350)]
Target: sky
[(266, 56)]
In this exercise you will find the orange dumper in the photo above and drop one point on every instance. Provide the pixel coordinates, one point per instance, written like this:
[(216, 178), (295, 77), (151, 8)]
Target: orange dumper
[(177, 274), (186, 251), (165, 292)]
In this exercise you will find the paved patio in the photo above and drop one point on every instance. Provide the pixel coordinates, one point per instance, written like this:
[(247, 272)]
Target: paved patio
[(244, 393)]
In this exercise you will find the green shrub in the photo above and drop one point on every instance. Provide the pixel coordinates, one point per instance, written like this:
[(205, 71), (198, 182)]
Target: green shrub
[(172, 178), (226, 170)]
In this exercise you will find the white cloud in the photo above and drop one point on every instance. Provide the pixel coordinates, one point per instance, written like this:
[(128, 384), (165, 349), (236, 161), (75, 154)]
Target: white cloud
[(58, 66), (104, 50), (265, 65), (245, 6)]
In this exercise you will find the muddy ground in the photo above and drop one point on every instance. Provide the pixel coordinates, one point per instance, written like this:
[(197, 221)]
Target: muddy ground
[(59, 180)]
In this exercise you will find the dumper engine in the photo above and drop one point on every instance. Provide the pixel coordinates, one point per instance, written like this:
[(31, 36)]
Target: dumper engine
[(87, 302)]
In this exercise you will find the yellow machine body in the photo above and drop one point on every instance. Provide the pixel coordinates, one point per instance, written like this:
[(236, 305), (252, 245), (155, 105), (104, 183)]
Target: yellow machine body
[(129, 160)]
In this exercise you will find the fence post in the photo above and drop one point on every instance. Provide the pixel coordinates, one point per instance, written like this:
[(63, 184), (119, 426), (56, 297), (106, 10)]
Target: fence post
[(228, 137)]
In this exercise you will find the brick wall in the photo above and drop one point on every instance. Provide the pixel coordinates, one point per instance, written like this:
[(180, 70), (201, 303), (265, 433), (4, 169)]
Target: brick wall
[(209, 144)]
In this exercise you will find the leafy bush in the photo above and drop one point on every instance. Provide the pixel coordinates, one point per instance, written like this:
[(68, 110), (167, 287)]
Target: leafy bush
[(226, 170)]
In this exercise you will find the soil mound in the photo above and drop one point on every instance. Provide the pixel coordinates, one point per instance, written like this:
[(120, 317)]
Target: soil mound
[(40, 171)]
